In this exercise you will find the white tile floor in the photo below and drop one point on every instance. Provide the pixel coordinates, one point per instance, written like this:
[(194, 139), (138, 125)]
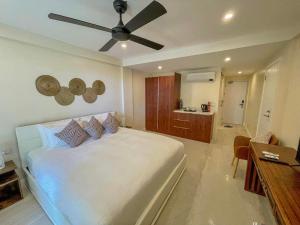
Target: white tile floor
[(206, 195)]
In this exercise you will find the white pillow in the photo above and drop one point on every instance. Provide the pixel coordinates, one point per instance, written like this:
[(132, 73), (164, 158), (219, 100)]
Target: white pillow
[(47, 133), (101, 117)]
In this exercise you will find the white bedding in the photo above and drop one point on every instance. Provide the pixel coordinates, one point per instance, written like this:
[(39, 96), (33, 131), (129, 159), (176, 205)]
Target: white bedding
[(109, 181)]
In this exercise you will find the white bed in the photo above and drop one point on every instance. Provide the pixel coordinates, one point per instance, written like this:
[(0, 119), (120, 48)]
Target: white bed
[(120, 179)]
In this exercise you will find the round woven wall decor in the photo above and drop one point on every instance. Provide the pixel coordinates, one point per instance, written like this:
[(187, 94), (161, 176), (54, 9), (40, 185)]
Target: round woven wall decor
[(47, 85), (77, 86), (90, 95), (65, 96), (99, 87)]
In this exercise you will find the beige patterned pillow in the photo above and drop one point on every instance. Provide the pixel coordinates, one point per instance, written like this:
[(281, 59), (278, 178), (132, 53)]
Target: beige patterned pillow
[(111, 124), (93, 128), (73, 134)]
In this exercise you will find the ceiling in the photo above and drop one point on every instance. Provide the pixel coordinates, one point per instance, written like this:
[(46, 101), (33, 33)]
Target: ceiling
[(184, 30), (248, 60), (187, 23)]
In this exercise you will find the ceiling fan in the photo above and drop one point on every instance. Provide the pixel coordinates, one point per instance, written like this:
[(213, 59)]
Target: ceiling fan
[(123, 32)]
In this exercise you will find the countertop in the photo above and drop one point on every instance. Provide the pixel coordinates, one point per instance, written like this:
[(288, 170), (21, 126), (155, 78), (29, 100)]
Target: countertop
[(197, 112)]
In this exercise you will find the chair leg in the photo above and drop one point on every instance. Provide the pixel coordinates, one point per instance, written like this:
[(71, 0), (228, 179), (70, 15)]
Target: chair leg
[(233, 160), (236, 166)]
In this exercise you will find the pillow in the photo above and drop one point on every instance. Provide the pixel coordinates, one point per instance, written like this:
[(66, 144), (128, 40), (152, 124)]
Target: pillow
[(93, 128), (264, 139), (102, 116), (111, 124), (72, 134), (48, 137)]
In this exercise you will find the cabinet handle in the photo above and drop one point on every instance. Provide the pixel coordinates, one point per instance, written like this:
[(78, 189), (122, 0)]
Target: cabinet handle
[(182, 120), (186, 128)]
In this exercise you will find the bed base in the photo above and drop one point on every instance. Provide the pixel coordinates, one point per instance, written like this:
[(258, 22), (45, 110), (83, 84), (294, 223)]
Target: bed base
[(148, 217)]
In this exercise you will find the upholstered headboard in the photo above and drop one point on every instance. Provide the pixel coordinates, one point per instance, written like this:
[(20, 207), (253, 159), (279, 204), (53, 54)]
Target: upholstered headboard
[(28, 137)]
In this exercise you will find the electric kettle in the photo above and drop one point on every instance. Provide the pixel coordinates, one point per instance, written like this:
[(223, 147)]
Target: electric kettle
[(204, 107)]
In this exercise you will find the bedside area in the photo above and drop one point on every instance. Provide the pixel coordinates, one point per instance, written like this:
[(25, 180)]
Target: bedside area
[(10, 189)]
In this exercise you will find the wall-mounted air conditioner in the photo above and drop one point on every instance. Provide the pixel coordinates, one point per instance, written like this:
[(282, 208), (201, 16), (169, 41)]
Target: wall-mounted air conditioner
[(200, 76)]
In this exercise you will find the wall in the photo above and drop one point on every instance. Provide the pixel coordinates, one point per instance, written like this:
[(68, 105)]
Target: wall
[(128, 96), (255, 88), (139, 99), (134, 98), (196, 93), (21, 104), (286, 117)]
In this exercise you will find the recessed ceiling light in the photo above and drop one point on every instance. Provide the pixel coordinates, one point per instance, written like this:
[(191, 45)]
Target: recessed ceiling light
[(159, 67), (240, 72), (227, 59), (124, 45), (228, 16)]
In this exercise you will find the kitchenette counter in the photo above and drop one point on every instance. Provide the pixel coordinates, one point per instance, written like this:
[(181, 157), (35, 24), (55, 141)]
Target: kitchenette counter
[(197, 112)]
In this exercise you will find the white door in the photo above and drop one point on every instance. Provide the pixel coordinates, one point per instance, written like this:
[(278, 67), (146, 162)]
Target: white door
[(234, 102), (268, 99)]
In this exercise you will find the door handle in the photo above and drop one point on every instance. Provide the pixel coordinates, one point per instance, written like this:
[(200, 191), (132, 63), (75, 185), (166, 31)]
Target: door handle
[(242, 103), (267, 114)]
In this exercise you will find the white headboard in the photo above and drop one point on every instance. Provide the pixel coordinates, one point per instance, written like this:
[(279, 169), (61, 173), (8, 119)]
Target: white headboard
[(28, 137)]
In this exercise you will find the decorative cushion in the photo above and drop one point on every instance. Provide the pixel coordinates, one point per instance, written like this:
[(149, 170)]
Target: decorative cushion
[(73, 134), (93, 128), (264, 139), (111, 124)]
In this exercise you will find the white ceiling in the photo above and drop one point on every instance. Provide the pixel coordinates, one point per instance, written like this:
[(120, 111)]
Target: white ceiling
[(186, 23), (184, 30), (248, 60)]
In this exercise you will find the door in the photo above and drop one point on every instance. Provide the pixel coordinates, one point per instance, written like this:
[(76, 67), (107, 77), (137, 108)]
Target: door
[(268, 100), (151, 89), (234, 101), (165, 103)]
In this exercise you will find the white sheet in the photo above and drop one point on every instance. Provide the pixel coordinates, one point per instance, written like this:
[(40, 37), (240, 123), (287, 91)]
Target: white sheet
[(109, 181)]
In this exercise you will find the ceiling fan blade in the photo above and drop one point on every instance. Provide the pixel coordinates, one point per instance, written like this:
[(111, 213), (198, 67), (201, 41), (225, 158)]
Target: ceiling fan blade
[(151, 12), (108, 45), (78, 22), (146, 42)]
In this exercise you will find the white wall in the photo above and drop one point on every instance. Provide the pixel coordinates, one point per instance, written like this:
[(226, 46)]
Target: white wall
[(196, 93), (21, 103), (134, 98), (286, 117), (255, 88), (139, 99)]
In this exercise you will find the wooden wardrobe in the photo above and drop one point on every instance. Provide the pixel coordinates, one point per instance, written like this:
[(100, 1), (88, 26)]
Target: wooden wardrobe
[(162, 97)]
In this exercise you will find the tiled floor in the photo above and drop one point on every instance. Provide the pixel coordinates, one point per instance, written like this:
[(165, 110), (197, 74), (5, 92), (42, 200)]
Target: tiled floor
[(206, 195)]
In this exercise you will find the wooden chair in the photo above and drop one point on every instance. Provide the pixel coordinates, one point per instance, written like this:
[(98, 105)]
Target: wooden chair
[(242, 147)]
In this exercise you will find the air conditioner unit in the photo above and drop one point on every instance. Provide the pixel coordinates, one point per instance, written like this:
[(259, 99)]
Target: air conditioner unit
[(200, 76)]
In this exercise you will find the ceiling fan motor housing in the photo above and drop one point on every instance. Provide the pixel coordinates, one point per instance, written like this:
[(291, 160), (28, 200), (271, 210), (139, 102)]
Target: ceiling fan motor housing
[(120, 33), (120, 6)]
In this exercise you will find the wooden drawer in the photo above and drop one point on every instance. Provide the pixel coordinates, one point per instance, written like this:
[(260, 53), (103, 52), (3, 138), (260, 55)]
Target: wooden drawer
[(181, 123), (181, 131)]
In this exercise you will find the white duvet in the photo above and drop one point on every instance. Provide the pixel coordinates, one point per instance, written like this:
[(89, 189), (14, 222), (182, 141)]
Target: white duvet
[(109, 181)]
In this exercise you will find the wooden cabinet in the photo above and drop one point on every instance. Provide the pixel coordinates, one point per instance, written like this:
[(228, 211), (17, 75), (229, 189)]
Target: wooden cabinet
[(10, 189), (162, 97), (192, 126), (151, 103)]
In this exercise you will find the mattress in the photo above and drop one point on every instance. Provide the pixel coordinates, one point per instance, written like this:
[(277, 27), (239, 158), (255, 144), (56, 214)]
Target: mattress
[(109, 181)]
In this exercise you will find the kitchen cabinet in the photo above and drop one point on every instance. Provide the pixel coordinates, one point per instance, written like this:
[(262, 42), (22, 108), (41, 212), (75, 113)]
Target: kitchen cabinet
[(195, 126)]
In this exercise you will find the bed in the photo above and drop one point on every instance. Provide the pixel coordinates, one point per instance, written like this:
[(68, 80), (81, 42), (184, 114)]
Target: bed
[(124, 178)]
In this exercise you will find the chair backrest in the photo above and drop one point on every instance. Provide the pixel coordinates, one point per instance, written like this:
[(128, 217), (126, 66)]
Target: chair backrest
[(274, 140)]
